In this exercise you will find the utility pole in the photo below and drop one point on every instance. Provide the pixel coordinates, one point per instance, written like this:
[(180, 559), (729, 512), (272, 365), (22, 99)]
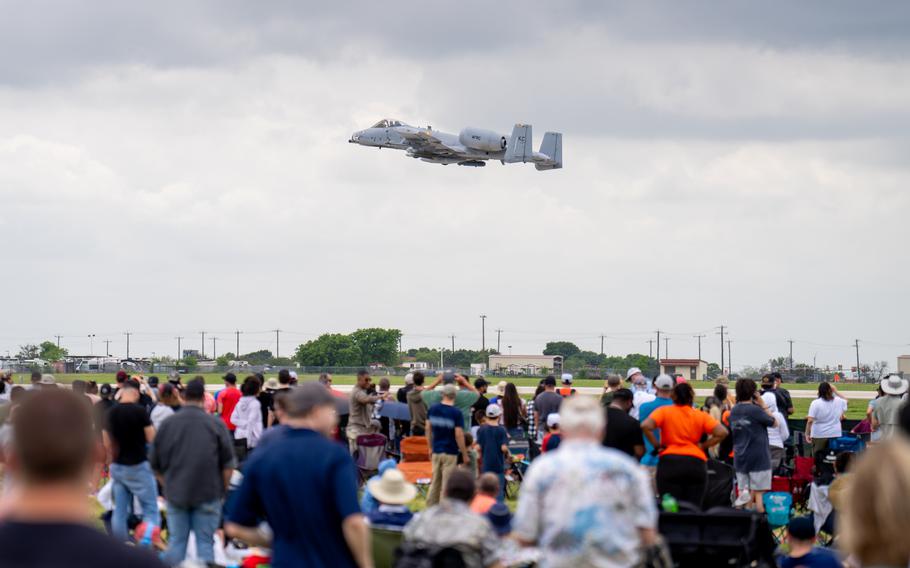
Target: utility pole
[(730, 355), (790, 341), (91, 344), (856, 343), (202, 353), (698, 337), (58, 340), (658, 350), (107, 347), (442, 361), (127, 334), (650, 348), (277, 342), (453, 343), (601, 344), (666, 347), (179, 352), (214, 352), (483, 332), (498, 336), (237, 353), (722, 368)]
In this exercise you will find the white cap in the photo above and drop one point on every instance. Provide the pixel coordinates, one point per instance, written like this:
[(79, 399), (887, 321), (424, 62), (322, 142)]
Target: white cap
[(293, 374), (553, 420), (409, 379), (631, 372), (567, 378), (494, 411), (664, 382)]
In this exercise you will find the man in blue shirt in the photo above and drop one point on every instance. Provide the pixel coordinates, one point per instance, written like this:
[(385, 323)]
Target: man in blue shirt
[(305, 487), (494, 445), (803, 552), (664, 386), (446, 437)]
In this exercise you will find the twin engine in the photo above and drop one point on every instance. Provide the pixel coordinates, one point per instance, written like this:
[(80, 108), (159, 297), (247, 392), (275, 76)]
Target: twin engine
[(483, 140)]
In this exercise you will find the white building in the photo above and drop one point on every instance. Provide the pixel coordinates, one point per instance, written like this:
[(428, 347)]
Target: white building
[(526, 364)]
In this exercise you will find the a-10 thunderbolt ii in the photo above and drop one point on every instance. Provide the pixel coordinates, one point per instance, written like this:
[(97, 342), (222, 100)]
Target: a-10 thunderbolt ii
[(470, 147)]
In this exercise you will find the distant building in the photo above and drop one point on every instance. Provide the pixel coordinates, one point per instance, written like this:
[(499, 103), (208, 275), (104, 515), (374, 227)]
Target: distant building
[(194, 353), (689, 369), (415, 365), (903, 365), (525, 364), (478, 368)]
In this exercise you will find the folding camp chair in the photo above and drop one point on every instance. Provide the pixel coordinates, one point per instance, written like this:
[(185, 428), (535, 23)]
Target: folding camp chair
[(415, 462), (519, 449), (385, 540), (778, 505), (370, 451)]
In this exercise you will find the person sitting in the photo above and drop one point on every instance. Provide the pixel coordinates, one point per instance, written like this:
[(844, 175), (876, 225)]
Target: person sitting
[(368, 503), (487, 493), (452, 526), (392, 492), (803, 553), (553, 437)]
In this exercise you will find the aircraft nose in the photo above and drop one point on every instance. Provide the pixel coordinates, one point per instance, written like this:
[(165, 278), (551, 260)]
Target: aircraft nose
[(355, 137)]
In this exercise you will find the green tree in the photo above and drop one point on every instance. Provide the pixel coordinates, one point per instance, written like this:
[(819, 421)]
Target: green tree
[(190, 363), (261, 357), (377, 345), (329, 350), (50, 351), (564, 348), (29, 351), (714, 371), (222, 361)]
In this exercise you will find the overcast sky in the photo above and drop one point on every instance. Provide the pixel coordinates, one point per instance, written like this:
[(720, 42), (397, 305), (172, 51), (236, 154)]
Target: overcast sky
[(172, 167)]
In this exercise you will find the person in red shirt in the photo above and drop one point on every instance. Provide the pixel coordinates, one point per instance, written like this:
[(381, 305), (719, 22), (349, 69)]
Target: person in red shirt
[(228, 399)]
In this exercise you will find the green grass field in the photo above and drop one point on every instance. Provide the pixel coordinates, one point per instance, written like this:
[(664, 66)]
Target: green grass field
[(856, 408)]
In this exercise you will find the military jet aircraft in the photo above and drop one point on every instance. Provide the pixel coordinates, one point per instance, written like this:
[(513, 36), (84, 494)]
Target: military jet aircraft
[(470, 147)]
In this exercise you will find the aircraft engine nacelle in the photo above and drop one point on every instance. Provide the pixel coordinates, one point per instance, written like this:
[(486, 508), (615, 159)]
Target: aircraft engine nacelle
[(483, 140)]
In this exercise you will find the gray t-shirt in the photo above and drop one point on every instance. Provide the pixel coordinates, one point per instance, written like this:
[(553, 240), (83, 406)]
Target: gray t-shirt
[(749, 425), (887, 412), (546, 404)]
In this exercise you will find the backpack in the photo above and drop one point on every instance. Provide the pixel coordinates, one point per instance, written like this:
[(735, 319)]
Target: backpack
[(411, 555)]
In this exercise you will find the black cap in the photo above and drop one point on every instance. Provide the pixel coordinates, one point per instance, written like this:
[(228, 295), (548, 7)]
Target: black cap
[(106, 389), (153, 381), (481, 382), (801, 528)]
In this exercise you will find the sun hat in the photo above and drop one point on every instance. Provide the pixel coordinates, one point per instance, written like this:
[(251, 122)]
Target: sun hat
[(392, 488), (664, 382), (553, 420), (47, 380), (567, 378), (892, 384), (500, 517), (632, 372), (494, 411), (501, 387), (272, 384)]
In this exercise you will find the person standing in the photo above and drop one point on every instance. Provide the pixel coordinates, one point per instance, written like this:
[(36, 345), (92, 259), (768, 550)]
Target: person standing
[(623, 432), (465, 394), (363, 398), (750, 419), (607, 523), (788, 409), (664, 385), (611, 385), (401, 395), (886, 415), (126, 434), (417, 407), (682, 470), (545, 404), (494, 446), (193, 454), (824, 420), (228, 399), (247, 419), (445, 434), (480, 405), (641, 391), (168, 403), (514, 413), (48, 521), (305, 486), (778, 434)]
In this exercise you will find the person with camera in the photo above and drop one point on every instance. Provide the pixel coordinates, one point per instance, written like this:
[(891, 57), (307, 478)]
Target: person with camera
[(465, 395), (363, 398)]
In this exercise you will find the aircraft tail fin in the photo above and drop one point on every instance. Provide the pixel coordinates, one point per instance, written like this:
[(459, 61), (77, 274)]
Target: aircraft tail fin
[(519, 147), (551, 147)]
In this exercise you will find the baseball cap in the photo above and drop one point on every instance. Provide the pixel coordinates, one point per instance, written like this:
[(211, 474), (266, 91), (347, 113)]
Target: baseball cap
[(173, 377), (567, 378), (293, 374), (409, 379), (553, 419), (767, 381), (632, 371), (493, 411), (664, 382), (801, 528), (500, 517), (153, 381), (480, 383), (122, 376), (105, 389), (48, 380)]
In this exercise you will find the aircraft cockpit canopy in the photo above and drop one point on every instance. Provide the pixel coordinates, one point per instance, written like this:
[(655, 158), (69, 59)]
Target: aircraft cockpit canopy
[(387, 123)]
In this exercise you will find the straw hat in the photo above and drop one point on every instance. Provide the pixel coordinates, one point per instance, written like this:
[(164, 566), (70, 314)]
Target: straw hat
[(392, 488), (893, 384), (272, 384)]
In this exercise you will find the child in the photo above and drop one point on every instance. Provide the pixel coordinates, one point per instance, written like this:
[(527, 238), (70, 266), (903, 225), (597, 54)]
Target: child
[(494, 446), (472, 464), (803, 552), (553, 437)]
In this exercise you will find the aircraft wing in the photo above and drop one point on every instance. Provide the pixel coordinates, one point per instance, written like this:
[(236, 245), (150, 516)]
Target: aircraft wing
[(423, 142)]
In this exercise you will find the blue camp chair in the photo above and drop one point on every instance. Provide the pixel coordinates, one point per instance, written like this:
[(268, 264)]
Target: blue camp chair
[(778, 506)]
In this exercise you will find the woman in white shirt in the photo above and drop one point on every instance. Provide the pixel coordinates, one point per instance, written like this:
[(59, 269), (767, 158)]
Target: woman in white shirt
[(776, 434), (168, 402), (825, 415), (247, 417)]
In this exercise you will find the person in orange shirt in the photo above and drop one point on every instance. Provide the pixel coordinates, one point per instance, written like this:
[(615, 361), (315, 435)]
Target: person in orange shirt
[(682, 470), (487, 491)]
